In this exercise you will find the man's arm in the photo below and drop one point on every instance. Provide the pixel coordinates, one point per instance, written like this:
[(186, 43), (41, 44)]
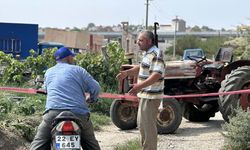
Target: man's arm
[(130, 72), (149, 81), (93, 87)]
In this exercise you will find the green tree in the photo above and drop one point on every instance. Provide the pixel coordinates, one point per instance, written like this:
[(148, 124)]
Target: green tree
[(90, 25), (209, 45), (241, 44), (183, 43), (206, 28), (196, 29)]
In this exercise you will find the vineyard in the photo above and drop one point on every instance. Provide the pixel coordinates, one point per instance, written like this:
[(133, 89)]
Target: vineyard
[(20, 114)]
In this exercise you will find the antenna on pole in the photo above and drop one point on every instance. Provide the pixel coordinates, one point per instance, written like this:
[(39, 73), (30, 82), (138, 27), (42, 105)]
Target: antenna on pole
[(147, 3)]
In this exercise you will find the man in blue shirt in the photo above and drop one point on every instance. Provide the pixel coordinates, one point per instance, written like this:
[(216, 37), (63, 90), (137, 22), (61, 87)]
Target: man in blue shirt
[(66, 85)]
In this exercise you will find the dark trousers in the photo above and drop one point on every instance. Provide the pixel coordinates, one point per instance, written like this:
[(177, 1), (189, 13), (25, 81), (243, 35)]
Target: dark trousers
[(42, 139)]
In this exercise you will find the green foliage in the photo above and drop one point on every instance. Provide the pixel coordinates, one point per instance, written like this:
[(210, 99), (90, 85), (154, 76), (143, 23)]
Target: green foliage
[(24, 114), (238, 131), (102, 107), (27, 131), (36, 65), (210, 46), (19, 72), (104, 67), (26, 105), (241, 47), (196, 29), (2, 116), (187, 42), (31, 104), (130, 145), (5, 105), (99, 120), (13, 71)]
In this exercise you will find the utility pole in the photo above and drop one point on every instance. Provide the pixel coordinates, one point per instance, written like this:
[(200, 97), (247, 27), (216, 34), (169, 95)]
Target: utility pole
[(175, 26), (147, 3)]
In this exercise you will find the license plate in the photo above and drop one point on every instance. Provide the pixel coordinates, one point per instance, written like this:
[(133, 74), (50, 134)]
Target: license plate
[(67, 141)]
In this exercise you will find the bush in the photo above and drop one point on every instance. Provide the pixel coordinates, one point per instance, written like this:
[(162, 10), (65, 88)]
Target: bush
[(5, 105), (30, 104), (237, 135)]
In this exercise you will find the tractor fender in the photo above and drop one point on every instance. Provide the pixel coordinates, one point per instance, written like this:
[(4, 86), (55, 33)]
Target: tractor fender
[(232, 66)]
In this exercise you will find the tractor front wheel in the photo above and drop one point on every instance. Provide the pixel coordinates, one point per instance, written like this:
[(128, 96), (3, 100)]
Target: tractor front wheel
[(124, 114), (169, 116)]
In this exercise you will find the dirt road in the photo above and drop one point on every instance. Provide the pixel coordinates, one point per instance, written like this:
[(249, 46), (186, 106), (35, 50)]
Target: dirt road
[(189, 136)]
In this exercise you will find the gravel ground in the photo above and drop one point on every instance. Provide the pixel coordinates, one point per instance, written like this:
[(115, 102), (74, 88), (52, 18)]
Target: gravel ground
[(195, 136), (189, 136)]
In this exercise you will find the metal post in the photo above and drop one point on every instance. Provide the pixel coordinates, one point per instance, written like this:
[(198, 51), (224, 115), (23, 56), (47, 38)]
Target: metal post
[(147, 14), (175, 26)]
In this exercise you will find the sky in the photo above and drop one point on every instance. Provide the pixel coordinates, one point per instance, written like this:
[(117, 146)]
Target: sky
[(215, 14)]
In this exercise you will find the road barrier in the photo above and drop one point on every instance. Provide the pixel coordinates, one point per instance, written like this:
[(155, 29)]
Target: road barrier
[(127, 96)]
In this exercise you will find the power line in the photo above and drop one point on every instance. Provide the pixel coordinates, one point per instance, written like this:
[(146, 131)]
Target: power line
[(160, 11)]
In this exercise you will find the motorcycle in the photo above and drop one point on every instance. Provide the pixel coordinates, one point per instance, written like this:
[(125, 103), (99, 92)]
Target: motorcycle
[(66, 132)]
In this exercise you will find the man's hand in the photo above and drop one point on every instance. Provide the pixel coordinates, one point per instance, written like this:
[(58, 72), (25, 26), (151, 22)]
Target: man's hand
[(122, 75), (136, 88), (90, 101)]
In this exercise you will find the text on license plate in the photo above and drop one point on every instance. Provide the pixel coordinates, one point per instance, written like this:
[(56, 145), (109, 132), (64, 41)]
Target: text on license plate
[(67, 141)]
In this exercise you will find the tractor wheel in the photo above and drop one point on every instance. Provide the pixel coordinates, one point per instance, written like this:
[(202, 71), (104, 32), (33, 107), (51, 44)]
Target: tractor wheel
[(169, 116), (238, 79), (123, 114), (196, 113)]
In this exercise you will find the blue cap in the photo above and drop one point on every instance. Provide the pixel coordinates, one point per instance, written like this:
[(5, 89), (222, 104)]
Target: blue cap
[(62, 53)]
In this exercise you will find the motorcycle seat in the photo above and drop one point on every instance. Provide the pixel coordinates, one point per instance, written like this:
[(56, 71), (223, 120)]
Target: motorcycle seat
[(66, 116)]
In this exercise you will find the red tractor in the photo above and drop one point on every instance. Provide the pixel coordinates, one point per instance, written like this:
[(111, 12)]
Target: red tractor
[(195, 76)]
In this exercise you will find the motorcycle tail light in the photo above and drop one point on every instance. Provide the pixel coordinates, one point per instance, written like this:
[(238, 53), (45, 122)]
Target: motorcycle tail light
[(67, 127)]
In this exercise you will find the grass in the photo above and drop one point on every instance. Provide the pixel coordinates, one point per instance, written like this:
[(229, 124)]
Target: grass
[(99, 120), (130, 145)]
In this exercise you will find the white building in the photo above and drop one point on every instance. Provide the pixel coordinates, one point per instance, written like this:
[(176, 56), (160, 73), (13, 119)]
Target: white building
[(178, 25)]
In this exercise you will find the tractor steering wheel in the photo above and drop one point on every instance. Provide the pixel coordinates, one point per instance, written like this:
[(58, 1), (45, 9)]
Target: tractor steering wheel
[(197, 59)]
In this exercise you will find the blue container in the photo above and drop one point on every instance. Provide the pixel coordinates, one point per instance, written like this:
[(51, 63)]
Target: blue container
[(18, 39)]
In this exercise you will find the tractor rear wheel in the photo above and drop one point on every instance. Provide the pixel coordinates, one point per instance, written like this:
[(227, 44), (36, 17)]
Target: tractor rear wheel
[(238, 79)]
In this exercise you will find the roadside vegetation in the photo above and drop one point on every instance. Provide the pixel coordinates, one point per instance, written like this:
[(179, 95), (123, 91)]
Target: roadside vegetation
[(237, 131), (129, 145)]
